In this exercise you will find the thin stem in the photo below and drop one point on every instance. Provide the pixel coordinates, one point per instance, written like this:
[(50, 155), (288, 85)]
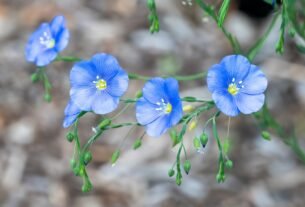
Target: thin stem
[(228, 129), (120, 112), (177, 77), (67, 59)]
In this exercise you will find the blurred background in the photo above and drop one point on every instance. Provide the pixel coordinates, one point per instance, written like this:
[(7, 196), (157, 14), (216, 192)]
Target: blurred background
[(34, 154)]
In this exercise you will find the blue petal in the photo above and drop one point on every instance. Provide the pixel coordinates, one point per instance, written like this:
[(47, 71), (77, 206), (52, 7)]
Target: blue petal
[(104, 103), (71, 114), (83, 74), (225, 103), (33, 47), (62, 40), (57, 24), (158, 127), (217, 78), (255, 83), (153, 90), (46, 57), (106, 65), (237, 66), (83, 97), (248, 104), (118, 85), (146, 112)]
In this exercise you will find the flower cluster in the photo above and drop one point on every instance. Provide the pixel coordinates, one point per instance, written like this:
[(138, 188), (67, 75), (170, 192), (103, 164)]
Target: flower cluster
[(98, 84)]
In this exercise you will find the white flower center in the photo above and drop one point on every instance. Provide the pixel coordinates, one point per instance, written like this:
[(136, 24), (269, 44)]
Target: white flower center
[(165, 107), (47, 40)]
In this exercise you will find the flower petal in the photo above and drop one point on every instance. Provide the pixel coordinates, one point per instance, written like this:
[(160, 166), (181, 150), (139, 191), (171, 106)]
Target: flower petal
[(83, 97), (82, 74), (158, 127), (62, 40), (146, 112), (225, 102), (237, 66), (57, 24), (248, 104), (153, 90), (217, 78), (104, 103), (71, 114), (118, 85), (106, 65), (255, 82), (45, 57)]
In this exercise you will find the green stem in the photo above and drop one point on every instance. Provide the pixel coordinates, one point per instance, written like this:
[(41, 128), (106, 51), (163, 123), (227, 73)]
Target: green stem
[(196, 76), (67, 59)]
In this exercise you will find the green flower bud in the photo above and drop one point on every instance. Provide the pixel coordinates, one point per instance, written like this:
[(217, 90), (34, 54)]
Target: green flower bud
[(197, 143), (151, 4), (174, 137), (87, 186), (266, 135), (137, 144), (87, 157), (220, 178), (178, 179), (47, 97), (229, 164), (70, 136), (34, 78), (204, 139), (73, 164), (115, 156), (139, 94), (187, 166), (171, 172), (106, 122), (76, 170)]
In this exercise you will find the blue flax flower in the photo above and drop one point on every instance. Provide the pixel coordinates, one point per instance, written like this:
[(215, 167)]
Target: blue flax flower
[(98, 84), (160, 108), (237, 85), (47, 41), (71, 114)]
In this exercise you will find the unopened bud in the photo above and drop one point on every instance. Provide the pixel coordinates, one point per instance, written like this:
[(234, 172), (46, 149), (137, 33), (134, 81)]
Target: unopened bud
[(115, 156), (187, 166), (192, 125), (47, 97), (137, 144), (87, 157), (139, 94), (87, 186), (34, 77), (188, 108), (229, 164), (104, 124), (171, 172), (204, 139), (197, 143), (70, 136), (266, 135)]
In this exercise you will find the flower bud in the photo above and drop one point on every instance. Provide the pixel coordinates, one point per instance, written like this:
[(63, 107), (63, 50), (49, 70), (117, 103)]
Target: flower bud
[(188, 108), (266, 135), (171, 172), (137, 144), (76, 170), (47, 97), (187, 166), (139, 94), (115, 156), (72, 164), (70, 136), (87, 157), (106, 122), (204, 139), (174, 137), (34, 77), (197, 143), (192, 125), (229, 164), (87, 186), (220, 178)]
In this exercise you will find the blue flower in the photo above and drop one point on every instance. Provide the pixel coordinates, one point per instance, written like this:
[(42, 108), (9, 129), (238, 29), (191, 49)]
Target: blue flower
[(71, 114), (160, 108), (47, 41), (237, 85), (98, 84)]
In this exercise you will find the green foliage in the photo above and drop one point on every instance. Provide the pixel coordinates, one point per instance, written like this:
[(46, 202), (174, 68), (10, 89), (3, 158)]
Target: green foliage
[(223, 12)]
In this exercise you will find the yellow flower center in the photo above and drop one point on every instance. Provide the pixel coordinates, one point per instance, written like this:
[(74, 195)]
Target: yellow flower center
[(233, 89), (101, 84), (168, 108), (51, 43)]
